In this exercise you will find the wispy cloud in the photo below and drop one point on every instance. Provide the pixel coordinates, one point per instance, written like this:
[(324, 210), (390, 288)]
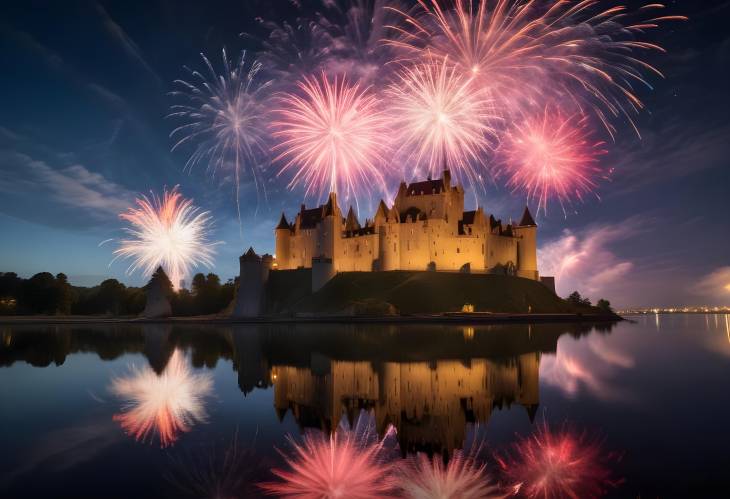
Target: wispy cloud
[(584, 259), (714, 286), (74, 186)]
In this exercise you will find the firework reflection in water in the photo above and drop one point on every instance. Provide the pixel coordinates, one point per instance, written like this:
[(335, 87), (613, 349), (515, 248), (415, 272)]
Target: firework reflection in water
[(553, 464), (210, 474), (166, 404), (463, 477), (352, 463)]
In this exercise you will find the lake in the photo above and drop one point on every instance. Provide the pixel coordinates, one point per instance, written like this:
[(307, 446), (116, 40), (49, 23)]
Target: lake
[(633, 409)]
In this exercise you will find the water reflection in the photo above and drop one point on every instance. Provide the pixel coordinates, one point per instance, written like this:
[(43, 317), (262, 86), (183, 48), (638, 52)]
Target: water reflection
[(429, 382), (352, 462), (164, 404), (558, 463)]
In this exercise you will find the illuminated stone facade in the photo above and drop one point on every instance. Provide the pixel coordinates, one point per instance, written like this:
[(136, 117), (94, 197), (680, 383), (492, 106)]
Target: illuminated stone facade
[(425, 229)]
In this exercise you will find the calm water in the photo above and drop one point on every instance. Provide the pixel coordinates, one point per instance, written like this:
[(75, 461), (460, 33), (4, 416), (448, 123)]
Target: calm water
[(175, 411)]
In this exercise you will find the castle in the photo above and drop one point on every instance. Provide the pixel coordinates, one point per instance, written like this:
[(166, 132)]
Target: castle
[(425, 229)]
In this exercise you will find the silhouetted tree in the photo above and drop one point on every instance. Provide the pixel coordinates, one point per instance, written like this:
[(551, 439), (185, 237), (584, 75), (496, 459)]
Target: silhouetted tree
[(576, 299), (160, 278), (39, 294), (604, 305), (64, 294), (111, 297)]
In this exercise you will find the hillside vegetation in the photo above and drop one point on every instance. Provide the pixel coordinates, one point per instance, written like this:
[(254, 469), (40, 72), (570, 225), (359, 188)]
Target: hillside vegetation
[(407, 292)]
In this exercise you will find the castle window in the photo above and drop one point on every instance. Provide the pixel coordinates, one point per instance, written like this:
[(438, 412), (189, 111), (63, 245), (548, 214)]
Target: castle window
[(393, 247), (482, 248), (458, 250)]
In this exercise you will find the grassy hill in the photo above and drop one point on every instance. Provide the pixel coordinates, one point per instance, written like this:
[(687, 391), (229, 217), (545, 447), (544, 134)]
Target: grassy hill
[(408, 292)]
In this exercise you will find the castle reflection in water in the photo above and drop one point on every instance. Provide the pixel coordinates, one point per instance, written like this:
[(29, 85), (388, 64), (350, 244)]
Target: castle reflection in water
[(428, 381)]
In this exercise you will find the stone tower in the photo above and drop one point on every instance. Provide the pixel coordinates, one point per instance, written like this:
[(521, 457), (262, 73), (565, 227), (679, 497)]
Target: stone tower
[(250, 298), (526, 232), (283, 243)]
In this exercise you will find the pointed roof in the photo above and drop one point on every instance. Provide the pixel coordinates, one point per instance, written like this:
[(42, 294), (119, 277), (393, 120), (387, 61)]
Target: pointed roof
[(527, 219), (382, 210), (351, 222), (283, 224)]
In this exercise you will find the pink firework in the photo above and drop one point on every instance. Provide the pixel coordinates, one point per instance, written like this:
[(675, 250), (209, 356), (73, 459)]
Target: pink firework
[(348, 463), (165, 405), (169, 232), (551, 155), (523, 50), (462, 478), (332, 135), (441, 119), (558, 464)]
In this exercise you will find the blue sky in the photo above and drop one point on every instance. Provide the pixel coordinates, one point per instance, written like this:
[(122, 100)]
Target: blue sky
[(82, 132)]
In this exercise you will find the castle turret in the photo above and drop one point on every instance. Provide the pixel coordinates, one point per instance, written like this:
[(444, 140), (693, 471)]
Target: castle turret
[(283, 244), (526, 233), (252, 284)]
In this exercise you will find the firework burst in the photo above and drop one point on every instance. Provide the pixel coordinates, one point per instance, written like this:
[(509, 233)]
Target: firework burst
[(521, 50), (349, 463), (550, 155), (166, 405), (223, 119), (558, 464), (333, 136), (441, 120), (461, 478), (169, 232)]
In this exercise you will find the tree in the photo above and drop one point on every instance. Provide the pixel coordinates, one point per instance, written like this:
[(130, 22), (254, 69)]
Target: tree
[(40, 294), (604, 305), (64, 294), (576, 299), (111, 297)]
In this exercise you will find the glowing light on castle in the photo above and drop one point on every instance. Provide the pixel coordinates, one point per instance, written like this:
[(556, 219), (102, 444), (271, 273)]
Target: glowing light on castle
[(332, 135), (170, 232), (551, 156), (164, 405), (522, 51), (440, 118)]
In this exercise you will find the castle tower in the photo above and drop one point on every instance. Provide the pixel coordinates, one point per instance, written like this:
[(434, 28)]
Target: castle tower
[(283, 244), (252, 284), (330, 229), (526, 233)]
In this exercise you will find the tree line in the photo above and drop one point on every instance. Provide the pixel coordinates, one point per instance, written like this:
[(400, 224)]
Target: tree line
[(47, 294)]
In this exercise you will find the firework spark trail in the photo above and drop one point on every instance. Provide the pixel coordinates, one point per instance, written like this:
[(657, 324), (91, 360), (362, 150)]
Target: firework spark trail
[(550, 155), (223, 117), (333, 136), (558, 464), (441, 119), (169, 232), (521, 50), (462, 478), (338, 38), (350, 463), (166, 405)]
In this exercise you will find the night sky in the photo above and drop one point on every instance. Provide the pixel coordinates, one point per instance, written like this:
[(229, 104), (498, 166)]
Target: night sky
[(83, 100)]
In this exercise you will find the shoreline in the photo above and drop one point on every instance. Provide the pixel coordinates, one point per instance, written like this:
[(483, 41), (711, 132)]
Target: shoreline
[(454, 318)]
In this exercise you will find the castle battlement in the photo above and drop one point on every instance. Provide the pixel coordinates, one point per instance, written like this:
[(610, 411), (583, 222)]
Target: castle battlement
[(426, 228)]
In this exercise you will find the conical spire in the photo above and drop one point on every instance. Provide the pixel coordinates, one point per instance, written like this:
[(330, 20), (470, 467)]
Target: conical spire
[(527, 219), (283, 224), (351, 222)]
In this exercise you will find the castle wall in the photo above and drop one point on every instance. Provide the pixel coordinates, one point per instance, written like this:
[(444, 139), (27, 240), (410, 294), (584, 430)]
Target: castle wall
[(421, 229)]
